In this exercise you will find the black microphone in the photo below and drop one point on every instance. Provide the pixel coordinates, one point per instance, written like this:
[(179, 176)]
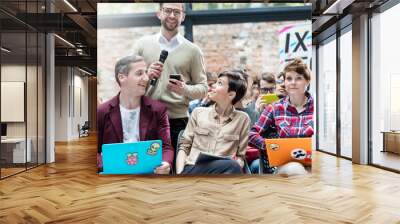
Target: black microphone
[(163, 57)]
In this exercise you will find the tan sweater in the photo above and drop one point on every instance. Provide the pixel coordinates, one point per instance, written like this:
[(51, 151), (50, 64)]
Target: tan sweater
[(186, 59)]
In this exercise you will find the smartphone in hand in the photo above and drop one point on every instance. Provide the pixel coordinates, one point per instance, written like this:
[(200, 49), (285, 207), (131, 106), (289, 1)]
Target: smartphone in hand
[(176, 77), (269, 98)]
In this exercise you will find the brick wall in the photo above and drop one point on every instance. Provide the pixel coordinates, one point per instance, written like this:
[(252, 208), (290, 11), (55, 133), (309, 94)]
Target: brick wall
[(247, 45)]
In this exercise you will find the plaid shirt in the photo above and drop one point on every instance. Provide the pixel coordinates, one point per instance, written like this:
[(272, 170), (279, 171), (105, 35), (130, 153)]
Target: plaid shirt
[(284, 120)]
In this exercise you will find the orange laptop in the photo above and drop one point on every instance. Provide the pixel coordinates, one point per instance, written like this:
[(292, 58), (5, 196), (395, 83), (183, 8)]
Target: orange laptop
[(284, 150)]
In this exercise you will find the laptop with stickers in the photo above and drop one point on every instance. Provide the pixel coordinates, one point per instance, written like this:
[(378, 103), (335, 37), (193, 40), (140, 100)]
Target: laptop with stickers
[(283, 150), (132, 158)]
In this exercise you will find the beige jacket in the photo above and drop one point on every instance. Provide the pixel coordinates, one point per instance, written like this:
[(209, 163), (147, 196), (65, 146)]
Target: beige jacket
[(205, 132)]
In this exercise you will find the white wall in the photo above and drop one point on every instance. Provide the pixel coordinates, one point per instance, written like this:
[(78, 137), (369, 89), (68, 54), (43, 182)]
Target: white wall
[(16, 73), (80, 98), (61, 103), (33, 126), (70, 84)]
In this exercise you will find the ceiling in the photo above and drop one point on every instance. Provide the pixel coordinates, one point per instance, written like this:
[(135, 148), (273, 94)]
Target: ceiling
[(76, 26), (328, 13)]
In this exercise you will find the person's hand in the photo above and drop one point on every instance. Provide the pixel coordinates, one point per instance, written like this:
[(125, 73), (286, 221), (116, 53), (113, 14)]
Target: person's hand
[(238, 160), (176, 86), (206, 100), (99, 161), (155, 69), (180, 161), (260, 105), (179, 171), (241, 162), (163, 169)]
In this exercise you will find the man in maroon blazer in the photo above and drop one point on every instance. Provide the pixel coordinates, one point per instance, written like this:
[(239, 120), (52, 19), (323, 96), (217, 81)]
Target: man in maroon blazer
[(130, 116)]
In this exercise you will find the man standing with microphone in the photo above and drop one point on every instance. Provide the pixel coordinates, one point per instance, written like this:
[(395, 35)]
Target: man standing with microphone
[(181, 77)]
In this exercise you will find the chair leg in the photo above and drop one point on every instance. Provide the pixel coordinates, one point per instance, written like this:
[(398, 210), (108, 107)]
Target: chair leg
[(263, 162), (246, 167)]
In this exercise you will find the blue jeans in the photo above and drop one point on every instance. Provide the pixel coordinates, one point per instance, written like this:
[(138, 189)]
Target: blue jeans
[(255, 166), (222, 166)]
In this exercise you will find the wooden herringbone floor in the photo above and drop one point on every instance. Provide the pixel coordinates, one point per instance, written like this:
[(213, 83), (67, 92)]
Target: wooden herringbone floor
[(70, 191)]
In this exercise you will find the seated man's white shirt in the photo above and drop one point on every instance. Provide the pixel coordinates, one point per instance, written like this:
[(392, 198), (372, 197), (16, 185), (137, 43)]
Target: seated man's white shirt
[(130, 124)]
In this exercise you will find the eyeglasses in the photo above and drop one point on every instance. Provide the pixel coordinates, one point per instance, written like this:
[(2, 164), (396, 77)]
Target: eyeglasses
[(280, 81), (168, 11), (267, 90)]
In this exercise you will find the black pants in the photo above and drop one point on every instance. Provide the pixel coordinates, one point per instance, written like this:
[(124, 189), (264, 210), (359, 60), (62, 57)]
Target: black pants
[(176, 125), (223, 166)]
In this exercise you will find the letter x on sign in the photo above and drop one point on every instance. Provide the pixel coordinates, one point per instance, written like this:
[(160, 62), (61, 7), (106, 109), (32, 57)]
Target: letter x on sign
[(299, 44)]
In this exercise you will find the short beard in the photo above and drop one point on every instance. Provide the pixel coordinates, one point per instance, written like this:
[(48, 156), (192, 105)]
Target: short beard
[(165, 26)]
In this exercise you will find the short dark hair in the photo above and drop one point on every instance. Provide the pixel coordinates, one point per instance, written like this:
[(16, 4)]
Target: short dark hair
[(281, 75), (256, 84), (268, 77), (243, 73), (183, 5), (236, 83), (298, 66), (281, 78), (123, 65)]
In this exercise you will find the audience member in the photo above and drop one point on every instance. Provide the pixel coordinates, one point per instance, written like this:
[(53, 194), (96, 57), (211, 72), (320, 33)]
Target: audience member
[(184, 58), (205, 102), (220, 130), (291, 116), (131, 117)]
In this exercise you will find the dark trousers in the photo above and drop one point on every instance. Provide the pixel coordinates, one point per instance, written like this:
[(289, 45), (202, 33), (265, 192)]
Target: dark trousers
[(176, 125), (223, 166)]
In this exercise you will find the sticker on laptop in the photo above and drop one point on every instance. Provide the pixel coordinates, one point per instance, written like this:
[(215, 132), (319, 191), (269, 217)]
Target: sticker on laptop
[(298, 154), (274, 147), (132, 158), (153, 149)]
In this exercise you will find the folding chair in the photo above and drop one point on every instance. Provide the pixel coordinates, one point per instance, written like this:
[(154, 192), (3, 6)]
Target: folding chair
[(84, 130), (246, 168)]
